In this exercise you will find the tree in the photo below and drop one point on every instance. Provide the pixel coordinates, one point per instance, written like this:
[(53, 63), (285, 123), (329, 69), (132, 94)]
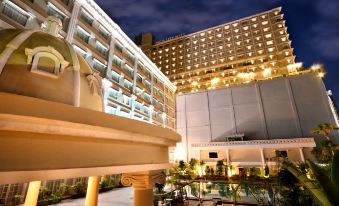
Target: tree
[(328, 191), (325, 130), (324, 151), (202, 164), (220, 167)]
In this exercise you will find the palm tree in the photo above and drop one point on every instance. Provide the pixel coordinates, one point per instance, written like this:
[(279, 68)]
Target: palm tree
[(202, 164), (325, 189), (324, 129)]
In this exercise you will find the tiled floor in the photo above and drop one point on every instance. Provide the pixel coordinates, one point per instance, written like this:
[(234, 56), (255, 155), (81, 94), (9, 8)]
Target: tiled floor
[(116, 197)]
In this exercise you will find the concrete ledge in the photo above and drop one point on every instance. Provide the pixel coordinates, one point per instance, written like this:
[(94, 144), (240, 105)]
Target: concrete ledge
[(27, 176)]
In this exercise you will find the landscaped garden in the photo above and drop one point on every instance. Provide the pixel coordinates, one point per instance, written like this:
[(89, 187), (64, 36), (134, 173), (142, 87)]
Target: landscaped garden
[(309, 183)]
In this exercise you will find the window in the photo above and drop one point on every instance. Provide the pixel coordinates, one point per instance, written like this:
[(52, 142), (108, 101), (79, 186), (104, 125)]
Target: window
[(80, 51), (83, 34), (16, 13), (128, 85), (128, 69), (130, 56), (115, 76), (101, 48), (86, 17), (282, 153), (269, 42), (54, 11), (99, 66), (116, 60), (103, 32), (213, 155), (118, 47)]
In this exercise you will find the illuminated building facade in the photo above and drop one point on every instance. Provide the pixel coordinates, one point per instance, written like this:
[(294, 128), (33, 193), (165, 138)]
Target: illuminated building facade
[(249, 49), (134, 87)]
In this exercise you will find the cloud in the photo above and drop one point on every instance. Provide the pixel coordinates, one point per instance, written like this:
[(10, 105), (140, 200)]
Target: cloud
[(325, 30), (167, 17)]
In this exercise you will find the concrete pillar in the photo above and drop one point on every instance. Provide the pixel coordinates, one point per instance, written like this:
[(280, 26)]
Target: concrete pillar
[(73, 21), (92, 191), (32, 193), (262, 157), (143, 183), (228, 157), (302, 157)]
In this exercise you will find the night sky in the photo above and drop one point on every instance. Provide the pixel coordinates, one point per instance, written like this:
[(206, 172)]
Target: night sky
[(313, 25)]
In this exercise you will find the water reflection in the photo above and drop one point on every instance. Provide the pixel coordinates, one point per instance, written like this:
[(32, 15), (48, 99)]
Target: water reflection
[(219, 190)]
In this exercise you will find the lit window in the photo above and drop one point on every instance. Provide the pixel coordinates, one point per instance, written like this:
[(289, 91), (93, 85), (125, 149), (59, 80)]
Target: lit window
[(266, 29), (219, 35), (264, 22), (269, 42), (226, 27), (270, 49), (268, 35), (235, 24), (254, 19), (283, 39), (246, 28), (202, 34)]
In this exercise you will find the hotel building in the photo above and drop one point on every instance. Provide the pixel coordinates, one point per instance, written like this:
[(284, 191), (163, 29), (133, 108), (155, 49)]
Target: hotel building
[(134, 86), (252, 48), (239, 82)]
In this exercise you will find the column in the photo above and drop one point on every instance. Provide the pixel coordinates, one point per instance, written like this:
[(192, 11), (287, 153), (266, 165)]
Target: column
[(32, 193), (143, 183), (163, 116), (151, 107), (302, 157), (72, 22), (110, 58), (133, 99), (228, 158), (92, 191), (262, 157)]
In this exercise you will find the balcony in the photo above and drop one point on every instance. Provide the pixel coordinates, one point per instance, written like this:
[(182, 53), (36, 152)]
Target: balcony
[(15, 13)]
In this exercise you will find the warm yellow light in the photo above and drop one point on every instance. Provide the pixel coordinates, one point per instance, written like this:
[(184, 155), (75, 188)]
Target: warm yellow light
[(215, 81), (194, 83), (267, 72), (321, 74)]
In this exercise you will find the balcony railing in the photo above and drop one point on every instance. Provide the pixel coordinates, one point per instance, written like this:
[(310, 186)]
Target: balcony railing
[(15, 14)]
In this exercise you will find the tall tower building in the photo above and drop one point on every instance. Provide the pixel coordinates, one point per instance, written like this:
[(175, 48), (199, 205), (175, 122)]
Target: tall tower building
[(252, 48)]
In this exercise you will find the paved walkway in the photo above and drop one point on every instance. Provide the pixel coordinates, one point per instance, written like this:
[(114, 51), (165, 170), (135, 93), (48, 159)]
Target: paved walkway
[(117, 197)]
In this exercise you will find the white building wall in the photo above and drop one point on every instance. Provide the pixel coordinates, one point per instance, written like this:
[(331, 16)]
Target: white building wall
[(279, 108)]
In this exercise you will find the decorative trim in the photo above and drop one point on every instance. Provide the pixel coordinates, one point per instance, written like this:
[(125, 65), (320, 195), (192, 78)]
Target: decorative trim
[(261, 143), (76, 70), (34, 55), (95, 84), (12, 46), (8, 177), (143, 180)]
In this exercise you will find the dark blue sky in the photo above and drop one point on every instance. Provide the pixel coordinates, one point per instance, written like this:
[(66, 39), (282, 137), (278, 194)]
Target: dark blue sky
[(313, 24)]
